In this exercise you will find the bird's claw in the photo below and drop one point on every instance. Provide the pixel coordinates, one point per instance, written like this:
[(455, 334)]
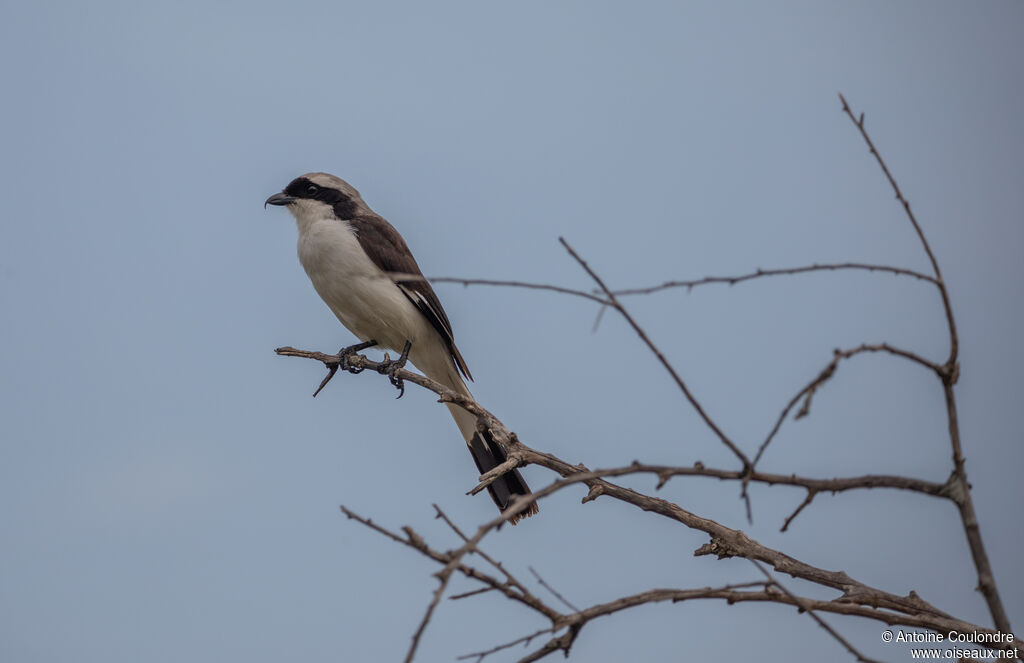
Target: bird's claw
[(397, 382), (391, 367)]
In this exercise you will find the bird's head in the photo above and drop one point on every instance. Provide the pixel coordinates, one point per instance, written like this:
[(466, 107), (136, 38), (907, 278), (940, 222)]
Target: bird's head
[(319, 195)]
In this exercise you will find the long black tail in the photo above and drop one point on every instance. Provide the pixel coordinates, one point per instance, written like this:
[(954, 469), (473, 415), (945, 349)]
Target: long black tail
[(488, 455)]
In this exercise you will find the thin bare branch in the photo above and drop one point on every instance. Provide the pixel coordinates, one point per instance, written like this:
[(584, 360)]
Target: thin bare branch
[(835, 485), (553, 591), (813, 486), (949, 373), (473, 592), (783, 271), (455, 557), (526, 639), (954, 341), (495, 473), (561, 643), (972, 530), (510, 580), (448, 521), (807, 500), (451, 562), (688, 284), (444, 577), (516, 284), (614, 303), (804, 605), (885, 347), (807, 393), (417, 543)]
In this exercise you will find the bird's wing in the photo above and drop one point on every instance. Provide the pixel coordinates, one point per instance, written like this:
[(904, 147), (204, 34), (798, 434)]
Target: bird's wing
[(386, 248)]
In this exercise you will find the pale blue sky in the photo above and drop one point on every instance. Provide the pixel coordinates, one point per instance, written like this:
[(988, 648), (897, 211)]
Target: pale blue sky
[(171, 490)]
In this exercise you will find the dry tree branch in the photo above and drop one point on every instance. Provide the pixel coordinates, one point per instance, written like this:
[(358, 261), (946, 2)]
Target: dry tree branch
[(470, 545), (614, 303), (452, 561), (664, 472), (835, 485), (510, 580), (785, 271), (689, 285), (543, 583), (813, 486), (509, 284), (807, 393), (416, 542), (474, 592), (856, 598), (810, 611), (444, 576), (860, 605), (954, 342), (526, 640), (949, 372), (708, 421)]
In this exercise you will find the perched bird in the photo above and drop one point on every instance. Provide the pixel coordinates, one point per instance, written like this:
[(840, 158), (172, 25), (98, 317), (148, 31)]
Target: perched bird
[(363, 270)]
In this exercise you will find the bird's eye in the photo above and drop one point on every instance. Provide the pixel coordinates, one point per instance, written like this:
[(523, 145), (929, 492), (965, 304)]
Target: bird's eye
[(312, 189)]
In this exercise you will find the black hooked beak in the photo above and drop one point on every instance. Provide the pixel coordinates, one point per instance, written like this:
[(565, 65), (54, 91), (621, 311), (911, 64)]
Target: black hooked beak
[(279, 199)]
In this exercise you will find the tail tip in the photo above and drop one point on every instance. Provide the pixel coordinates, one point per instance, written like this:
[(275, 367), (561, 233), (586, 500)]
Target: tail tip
[(531, 510)]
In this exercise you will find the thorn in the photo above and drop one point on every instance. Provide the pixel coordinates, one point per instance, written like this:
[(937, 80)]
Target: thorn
[(327, 378), (595, 492)]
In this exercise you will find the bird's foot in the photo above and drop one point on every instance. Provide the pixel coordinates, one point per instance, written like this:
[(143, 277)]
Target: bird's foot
[(391, 367), (344, 355)]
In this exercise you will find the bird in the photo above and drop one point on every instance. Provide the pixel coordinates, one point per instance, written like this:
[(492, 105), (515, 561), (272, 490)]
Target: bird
[(364, 271)]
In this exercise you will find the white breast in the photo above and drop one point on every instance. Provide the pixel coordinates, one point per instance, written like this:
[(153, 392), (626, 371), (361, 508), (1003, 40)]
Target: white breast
[(365, 300)]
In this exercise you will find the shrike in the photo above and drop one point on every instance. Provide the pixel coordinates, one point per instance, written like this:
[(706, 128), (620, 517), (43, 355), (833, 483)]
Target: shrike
[(363, 270)]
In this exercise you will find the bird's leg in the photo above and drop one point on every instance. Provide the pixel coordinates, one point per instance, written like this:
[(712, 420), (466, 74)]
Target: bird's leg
[(343, 356), (390, 367)]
